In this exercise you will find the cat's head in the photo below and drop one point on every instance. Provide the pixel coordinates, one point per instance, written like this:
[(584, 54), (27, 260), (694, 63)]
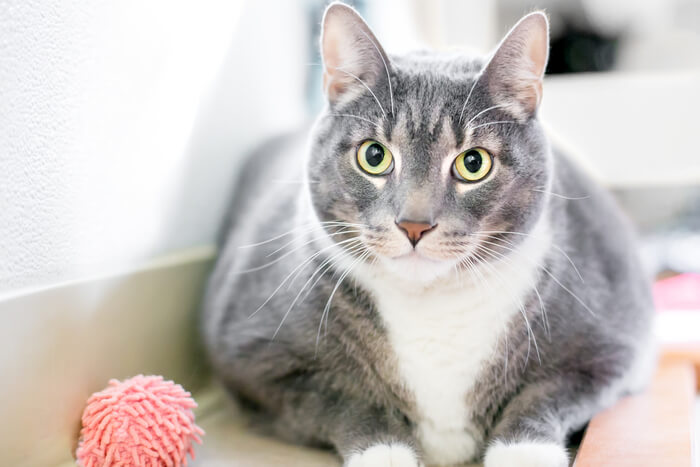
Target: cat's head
[(425, 156)]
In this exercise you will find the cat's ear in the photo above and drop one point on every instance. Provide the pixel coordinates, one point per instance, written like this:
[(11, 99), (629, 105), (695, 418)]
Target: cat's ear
[(352, 56), (514, 73)]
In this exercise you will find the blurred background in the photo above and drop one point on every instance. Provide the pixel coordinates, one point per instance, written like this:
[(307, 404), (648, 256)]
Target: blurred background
[(122, 125)]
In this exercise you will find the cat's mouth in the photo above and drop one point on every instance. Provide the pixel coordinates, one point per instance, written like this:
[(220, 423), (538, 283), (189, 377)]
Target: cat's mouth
[(415, 266), (413, 255)]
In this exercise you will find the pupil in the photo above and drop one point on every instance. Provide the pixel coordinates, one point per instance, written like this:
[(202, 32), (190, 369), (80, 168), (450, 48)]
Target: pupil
[(472, 161), (374, 155)]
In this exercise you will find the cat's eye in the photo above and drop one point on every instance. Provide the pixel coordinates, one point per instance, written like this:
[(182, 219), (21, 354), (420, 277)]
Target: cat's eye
[(374, 158), (472, 165)]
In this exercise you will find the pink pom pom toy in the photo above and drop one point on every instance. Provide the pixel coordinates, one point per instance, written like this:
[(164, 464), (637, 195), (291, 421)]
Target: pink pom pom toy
[(141, 422)]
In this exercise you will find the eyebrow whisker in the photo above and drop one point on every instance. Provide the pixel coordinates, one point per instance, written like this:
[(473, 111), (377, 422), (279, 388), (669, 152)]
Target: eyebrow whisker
[(496, 123), (354, 116)]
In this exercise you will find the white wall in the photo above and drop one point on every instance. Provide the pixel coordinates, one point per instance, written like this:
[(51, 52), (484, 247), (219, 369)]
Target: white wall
[(121, 123)]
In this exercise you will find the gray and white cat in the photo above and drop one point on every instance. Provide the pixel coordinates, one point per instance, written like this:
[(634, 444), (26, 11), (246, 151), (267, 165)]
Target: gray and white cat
[(428, 294)]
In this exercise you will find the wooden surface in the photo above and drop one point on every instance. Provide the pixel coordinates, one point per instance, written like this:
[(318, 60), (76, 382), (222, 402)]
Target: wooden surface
[(684, 353), (651, 429)]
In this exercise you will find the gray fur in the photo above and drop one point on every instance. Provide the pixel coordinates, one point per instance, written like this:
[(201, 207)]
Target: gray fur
[(331, 379)]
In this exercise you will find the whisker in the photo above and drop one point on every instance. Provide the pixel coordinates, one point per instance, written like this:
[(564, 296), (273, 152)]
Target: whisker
[(363, 257), (366, 87), (343, 230), (326, 309), (493, 107), (545, 321), (571, 198), (487, 284), (294, 182), (304, 263), (332, 223), (496, 123), (291, 306), (386, 68), (464, 106), (308, 226), (281, 257), (556, 247), (354, 116), (329, 263), (576, 297), (304, 227), (521, 306), (543, 312), (505, 363)]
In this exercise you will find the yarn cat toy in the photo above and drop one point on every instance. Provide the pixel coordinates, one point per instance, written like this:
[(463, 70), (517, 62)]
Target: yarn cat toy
[(143, 421)]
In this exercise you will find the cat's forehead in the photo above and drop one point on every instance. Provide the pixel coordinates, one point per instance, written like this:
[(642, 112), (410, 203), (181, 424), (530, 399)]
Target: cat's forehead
[(429, 92), (436, 68), (424, 83)]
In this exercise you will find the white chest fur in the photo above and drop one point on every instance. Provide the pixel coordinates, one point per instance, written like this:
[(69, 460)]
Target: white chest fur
[(442, 335)]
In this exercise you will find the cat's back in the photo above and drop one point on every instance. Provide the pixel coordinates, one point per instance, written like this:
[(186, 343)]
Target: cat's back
[(268, 176), (599, 239), (585, 212)]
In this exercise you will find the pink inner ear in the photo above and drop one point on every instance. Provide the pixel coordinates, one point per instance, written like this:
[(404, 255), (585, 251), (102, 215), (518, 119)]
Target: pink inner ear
[(334, 80), (332, 85), (538, 44), (538, 51), (520, 62), (351, 55), (330, 49)]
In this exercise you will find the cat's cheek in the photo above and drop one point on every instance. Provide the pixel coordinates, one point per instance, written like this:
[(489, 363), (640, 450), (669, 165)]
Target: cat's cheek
[(385, 455), (526, 454)]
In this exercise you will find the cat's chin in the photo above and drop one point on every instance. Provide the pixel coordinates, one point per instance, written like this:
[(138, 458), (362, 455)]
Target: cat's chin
[(415, 267)]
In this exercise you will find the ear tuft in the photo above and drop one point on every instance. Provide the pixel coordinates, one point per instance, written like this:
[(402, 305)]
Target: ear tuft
[(353, 60), (516, 69)]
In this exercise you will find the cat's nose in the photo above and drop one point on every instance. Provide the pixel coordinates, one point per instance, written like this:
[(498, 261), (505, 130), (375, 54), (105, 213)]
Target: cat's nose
[(415, 230)]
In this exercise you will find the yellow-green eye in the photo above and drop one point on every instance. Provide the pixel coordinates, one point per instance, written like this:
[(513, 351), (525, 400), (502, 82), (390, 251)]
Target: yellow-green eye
[(472, 165), (374, 158)]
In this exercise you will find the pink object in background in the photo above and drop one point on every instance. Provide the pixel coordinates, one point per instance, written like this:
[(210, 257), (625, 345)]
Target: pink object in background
[(681, 292), (141, 422)]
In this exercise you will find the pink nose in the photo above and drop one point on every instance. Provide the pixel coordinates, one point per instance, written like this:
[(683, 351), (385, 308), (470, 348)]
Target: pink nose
[(415, 230)]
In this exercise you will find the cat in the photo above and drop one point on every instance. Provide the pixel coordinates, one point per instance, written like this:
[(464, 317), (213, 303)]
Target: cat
[(442, 286)]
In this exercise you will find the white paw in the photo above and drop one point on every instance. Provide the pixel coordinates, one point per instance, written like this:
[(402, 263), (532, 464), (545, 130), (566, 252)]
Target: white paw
[(526, 454), (385, 455)]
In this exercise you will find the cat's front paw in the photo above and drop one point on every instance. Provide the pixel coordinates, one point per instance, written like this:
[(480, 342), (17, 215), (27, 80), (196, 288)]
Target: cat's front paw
[(385, 455), (526, 454)]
